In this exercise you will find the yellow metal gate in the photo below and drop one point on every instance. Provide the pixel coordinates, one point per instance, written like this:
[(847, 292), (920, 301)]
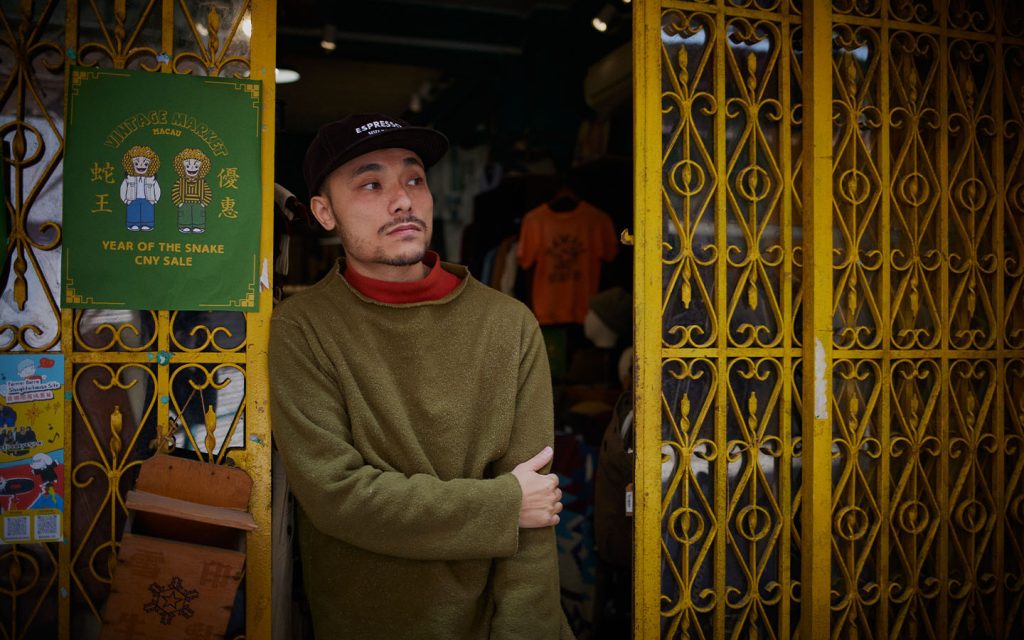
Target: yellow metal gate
[(830, 333), (138, 380)]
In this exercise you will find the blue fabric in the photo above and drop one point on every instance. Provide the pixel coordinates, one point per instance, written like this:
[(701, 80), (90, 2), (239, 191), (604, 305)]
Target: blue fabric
[(574, 463), (141, 213)]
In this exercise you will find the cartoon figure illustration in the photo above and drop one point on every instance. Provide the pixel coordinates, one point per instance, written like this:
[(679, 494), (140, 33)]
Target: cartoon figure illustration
[(45, 467), (139, 189), (191, 192), (27, 370)]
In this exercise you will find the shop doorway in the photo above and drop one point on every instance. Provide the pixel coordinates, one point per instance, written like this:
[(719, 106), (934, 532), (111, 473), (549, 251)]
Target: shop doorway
[(533, 98)]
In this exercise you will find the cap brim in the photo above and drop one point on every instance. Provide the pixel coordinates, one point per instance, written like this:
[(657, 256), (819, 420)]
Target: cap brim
[(428, 144)]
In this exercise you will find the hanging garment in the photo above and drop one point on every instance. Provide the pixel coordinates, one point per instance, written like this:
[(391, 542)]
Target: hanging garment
[(613, 526), (507, 282), (567, 249)]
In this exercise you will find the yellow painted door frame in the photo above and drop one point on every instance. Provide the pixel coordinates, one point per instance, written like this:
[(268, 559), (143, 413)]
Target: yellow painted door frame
[(647, 287), (816, 512)]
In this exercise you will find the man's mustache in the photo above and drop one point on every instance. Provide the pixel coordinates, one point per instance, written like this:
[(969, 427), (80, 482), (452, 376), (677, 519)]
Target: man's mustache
[(406, 220)]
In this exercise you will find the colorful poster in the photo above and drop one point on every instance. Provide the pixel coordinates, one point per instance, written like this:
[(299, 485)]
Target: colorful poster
[(161, 192), (31, 447)]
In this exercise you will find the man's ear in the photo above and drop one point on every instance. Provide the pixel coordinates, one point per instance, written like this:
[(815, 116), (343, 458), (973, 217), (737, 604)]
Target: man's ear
[(322, 211)]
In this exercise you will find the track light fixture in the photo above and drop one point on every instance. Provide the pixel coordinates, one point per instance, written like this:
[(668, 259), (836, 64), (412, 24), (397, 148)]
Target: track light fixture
[(329, 38), (605, 16), (286, 76)]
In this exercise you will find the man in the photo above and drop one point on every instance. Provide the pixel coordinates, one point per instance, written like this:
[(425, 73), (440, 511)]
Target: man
[(407, 401)]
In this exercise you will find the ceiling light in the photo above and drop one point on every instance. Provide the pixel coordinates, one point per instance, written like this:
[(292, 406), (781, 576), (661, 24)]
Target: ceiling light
[(602, 19), (286, 76), (202, 30), (247, 26), (327, 40)]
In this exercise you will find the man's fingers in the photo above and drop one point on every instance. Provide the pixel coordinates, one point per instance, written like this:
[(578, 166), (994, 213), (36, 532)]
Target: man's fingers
[(541, 494), (537, 462), (539, 518)]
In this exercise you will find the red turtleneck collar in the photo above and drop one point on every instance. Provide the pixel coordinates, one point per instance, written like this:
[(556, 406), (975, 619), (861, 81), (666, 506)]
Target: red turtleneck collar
[(437, 284)]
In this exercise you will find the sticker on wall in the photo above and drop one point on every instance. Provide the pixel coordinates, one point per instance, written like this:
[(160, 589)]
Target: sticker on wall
[(161, 192), (31, 447)]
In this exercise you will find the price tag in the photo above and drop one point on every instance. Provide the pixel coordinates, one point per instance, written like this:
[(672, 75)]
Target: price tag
[(629, 499)]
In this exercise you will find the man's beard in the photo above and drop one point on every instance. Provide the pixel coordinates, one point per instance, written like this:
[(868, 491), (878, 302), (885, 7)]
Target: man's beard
[(403, 261)]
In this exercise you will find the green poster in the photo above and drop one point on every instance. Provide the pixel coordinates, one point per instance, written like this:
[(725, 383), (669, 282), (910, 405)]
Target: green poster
[(161, 192)]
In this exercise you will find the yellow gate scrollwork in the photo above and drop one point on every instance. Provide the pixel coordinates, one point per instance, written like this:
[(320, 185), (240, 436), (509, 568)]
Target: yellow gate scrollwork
[(829, 322), (139, 381)]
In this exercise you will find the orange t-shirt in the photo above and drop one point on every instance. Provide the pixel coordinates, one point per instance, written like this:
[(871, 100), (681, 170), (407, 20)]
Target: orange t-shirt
[(567, 248)]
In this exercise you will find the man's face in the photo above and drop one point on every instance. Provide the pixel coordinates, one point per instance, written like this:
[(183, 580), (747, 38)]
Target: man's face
[(382, 209), (191, 166), (140, 164)]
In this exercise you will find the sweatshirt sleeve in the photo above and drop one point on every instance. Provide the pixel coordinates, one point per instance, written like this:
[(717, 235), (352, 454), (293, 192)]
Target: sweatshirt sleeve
[(419, 517), (526, 586)]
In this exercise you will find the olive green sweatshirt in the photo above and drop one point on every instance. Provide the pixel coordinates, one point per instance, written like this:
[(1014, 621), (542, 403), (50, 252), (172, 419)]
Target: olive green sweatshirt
[(399, 426)]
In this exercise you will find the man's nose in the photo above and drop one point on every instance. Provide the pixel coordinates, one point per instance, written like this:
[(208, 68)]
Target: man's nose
[(401, 203)]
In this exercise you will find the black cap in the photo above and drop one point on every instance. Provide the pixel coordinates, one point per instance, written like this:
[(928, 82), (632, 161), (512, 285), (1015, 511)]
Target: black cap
[(338, 142)]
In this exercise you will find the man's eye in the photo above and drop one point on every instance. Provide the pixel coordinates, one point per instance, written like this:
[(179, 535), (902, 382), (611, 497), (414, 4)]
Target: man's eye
[(418, 180), (371, 186)]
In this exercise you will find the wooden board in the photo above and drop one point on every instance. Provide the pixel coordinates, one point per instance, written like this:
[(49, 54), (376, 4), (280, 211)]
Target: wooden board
[(170, 590), (187, 510), (212, 484)]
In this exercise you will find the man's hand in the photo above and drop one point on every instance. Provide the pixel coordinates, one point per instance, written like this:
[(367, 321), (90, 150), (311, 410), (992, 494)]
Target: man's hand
[(541, 495)]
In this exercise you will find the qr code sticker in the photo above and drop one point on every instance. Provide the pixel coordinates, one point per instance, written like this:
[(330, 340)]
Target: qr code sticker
[(48, 527), (16, 528)]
